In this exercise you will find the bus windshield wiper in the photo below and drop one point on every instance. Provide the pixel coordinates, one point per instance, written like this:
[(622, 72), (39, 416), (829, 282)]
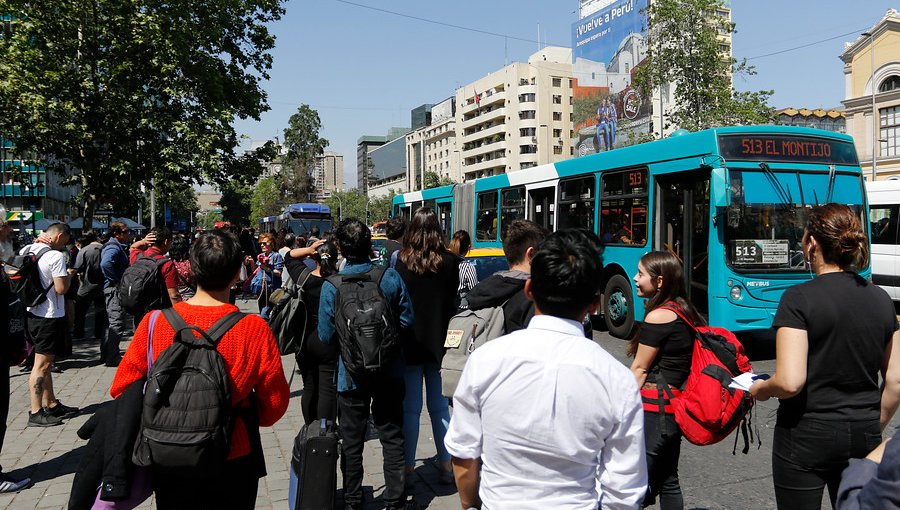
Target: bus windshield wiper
[(783, 194), (831, 176)]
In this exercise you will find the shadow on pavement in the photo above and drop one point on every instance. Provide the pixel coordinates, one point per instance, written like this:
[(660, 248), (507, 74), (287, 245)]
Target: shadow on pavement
[(54, 468)]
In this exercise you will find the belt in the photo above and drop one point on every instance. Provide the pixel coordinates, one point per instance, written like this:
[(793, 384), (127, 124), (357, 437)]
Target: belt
[(654, 397)]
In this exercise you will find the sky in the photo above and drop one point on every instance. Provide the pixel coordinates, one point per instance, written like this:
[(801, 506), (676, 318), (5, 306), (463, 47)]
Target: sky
[(363, 69)]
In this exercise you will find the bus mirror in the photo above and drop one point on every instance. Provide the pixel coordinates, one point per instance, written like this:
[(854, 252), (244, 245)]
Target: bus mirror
[(721, 188)]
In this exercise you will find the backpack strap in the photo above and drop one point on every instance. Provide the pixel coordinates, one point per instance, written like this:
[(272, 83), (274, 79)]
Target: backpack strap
[(673, 307), (37, 258), (212, 336)]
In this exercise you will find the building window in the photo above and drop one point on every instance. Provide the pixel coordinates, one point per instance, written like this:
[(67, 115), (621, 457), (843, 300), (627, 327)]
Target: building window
[(557, 82), (890, 130), (527, 164), (557, 149), (528, 149), (557, 99), (526, 98), (572, 83), (557, 115), (557, 133), (890, 83), (527, 131), (527, 114)]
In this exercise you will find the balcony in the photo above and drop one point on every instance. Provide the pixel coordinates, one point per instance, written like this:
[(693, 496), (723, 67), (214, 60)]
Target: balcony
[(495, 98), (484, 115), (484, 133), (485, 164)]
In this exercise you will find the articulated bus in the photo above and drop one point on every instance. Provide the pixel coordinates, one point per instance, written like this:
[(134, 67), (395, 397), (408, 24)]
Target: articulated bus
[(730, 203), (299, 219)]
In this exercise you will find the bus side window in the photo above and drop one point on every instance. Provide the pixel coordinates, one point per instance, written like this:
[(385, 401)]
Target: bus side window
[(577, 203), (884, 219), (486, 222), (512, 207), (623, 207)]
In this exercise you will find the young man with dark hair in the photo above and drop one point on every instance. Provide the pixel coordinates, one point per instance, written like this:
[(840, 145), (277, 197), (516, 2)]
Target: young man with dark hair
[(90, 290), (588, 455), (383, 393), (155, 245), (113, 263), (394, 231), (46, 326), (519, 243)]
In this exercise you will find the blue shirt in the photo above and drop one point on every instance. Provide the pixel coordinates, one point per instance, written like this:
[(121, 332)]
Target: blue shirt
[(113, 262), (394, 290)]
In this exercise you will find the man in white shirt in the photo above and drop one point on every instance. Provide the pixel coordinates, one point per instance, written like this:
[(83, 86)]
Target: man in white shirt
[(543, 417), (46, 325)]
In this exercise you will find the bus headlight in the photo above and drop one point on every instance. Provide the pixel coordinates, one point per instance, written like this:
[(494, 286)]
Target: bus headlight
[(736, 293)]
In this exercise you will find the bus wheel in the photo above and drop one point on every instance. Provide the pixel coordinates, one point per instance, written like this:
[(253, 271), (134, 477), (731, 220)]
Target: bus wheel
[(618, 307)]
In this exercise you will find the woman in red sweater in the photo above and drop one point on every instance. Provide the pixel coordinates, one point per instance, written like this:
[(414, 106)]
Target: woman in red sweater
[(253, 362)]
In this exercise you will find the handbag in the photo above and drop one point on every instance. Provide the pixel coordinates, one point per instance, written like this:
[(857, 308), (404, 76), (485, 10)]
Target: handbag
[(141, 480)]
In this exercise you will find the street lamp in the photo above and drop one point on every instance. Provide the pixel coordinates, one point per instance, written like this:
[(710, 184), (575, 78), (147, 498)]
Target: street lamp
[(875, 119)]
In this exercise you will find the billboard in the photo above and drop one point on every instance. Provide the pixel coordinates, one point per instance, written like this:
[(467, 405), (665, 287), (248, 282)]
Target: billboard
[(443, 110), (607, 46)]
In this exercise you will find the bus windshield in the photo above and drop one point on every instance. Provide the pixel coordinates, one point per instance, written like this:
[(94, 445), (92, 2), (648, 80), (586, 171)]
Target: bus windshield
[(765, 221)]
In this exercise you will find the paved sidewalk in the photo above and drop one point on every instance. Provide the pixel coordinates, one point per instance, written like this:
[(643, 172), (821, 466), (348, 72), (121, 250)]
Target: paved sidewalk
[(50, 456)]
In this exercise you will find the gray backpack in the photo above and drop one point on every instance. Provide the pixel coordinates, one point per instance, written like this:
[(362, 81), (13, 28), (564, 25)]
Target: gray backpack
[(467, 331)]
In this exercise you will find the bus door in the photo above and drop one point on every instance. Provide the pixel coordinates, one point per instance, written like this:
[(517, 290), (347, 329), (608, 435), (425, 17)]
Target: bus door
[(542, 204), (444, 214), (682, 228)]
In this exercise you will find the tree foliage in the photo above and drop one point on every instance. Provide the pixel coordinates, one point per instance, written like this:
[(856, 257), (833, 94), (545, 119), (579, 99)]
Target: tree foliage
[(266, 199), (684, 49), (302, 145), (433, 180), (348, 204), (208, 219), (114, 92), (380, 208), (235, 202)]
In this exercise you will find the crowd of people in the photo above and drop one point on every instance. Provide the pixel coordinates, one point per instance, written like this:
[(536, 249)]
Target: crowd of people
[(836, 374)]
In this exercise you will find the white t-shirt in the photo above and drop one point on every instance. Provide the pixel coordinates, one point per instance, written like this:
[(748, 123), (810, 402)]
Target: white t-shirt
[(556, 421), (51, 265)]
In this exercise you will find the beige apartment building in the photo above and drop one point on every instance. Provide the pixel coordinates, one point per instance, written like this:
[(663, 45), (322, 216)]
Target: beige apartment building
[(515, 118), (328, 174), (433, 148), (872, 85)]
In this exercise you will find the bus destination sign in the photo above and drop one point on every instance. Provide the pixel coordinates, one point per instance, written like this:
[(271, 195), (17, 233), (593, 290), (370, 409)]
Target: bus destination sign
[(794, 149)]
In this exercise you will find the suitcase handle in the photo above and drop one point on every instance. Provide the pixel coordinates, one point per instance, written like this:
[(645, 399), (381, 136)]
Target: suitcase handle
[(323, 427)]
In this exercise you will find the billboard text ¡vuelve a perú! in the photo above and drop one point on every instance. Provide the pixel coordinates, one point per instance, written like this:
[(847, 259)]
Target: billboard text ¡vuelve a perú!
[(607, 45)]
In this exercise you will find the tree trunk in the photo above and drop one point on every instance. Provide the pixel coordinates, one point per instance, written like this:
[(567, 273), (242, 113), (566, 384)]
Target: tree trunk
[(90, 200)]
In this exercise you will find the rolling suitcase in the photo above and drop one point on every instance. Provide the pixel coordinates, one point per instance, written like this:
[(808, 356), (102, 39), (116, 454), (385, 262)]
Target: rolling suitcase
[(313, 480)]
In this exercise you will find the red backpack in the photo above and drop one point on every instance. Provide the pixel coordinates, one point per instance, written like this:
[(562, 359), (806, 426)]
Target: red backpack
[(707, 410)]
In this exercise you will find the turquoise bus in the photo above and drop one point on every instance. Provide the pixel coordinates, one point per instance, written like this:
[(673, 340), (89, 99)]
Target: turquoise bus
[(730, 203)]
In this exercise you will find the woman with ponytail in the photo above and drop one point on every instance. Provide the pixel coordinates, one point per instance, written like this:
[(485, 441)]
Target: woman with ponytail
[(834, 334), (662, 350)]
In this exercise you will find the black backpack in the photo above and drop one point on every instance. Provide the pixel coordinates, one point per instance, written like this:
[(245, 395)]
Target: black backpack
[(141, 287), (25, 277), (187, 416), (365, 323), (288, 316)]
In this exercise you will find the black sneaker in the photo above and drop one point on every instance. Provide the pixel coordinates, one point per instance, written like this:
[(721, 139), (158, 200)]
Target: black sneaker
[(61, 411), (8, 484), (43, 419)]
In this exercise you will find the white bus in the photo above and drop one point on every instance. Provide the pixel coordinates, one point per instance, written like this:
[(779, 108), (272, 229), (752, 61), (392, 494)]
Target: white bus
[(884, 214)]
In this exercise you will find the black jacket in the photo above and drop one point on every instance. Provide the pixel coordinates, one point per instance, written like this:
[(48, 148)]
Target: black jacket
[(112, 431), (508, 286)]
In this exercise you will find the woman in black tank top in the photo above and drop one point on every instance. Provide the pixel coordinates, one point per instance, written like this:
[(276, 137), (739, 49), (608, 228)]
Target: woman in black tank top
[(834, 336), (661, 349)]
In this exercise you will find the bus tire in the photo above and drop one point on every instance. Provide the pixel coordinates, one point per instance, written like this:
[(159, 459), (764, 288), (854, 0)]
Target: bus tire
[(618, 307)]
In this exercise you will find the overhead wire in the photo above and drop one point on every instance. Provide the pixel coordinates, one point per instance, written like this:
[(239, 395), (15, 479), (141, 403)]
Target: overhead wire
[(807, 45)]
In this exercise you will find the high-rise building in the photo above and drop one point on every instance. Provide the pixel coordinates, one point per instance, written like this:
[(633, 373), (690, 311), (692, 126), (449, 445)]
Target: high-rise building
[(517, 117), (328, 174), (432, 148), (872, 96), (366, 144)]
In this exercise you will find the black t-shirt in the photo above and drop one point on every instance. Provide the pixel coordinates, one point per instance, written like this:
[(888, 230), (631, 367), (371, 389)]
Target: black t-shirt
[(849, 323), (675, 341)]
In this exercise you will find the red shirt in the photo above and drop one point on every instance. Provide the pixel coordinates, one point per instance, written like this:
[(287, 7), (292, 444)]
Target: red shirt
[(168, 267), (251, 358)]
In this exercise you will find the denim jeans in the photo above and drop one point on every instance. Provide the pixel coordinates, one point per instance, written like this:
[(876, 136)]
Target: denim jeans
[(812, 454), (663, 442), (438, 410)]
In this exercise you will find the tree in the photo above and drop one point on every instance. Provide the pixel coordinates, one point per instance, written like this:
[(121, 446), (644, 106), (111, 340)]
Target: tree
[(303, 145), (348, 204), (235, 202), (433, 180), (114, 93), (207, 220), (684, 49), (380, 208), (266, 199)]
